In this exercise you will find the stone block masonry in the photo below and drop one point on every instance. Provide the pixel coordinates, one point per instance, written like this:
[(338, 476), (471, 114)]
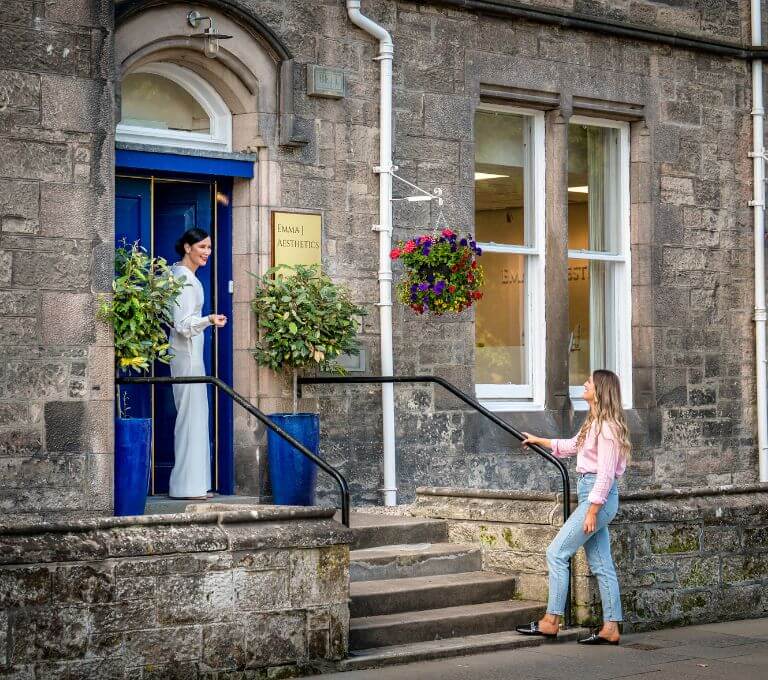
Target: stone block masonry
[(683, 556), (693, 418), (251, 594), (57, 94)]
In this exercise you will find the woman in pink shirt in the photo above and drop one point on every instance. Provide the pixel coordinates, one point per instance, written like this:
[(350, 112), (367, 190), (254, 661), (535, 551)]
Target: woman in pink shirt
[(602, 452)]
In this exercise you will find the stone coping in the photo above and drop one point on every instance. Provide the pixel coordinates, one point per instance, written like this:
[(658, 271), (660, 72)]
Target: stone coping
[(649, 494), (515, 495), (219, 515)]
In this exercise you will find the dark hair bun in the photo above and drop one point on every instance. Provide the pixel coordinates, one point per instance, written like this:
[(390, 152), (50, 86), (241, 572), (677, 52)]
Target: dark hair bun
[(190, 237)]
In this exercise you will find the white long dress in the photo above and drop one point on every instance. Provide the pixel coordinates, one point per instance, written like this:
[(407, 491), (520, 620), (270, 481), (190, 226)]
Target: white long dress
[(191, 475)]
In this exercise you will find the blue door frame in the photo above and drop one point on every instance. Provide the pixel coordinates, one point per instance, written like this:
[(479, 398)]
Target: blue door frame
[(151, 205)]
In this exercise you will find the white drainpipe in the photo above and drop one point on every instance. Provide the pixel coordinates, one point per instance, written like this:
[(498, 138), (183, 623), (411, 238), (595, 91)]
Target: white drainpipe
[(758, 205), (384, 228)]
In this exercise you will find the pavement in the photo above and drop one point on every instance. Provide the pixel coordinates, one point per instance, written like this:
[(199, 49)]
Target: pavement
[(737, 650)]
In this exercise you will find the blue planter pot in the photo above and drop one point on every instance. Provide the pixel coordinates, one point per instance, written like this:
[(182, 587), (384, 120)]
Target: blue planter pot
[(133, 438), (292, 474)]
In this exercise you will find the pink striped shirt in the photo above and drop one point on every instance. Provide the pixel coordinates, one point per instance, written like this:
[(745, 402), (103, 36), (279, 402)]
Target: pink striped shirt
[(600, 455)]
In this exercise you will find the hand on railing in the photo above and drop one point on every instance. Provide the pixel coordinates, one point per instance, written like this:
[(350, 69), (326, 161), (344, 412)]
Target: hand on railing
[(533, 440)]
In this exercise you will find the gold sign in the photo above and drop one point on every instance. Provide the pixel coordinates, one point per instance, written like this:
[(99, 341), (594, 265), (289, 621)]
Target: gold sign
[(296, 238)]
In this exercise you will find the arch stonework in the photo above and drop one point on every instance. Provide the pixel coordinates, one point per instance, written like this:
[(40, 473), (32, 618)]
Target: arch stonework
[(248, 73)]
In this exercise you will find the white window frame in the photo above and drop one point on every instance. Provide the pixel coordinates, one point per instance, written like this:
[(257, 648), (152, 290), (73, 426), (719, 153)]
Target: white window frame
[(220, 136), (528, 397), (621, 305)]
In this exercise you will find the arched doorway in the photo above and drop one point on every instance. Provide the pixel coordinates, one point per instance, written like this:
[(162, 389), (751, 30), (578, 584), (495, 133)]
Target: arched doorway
[(159, 194), (193, 136)]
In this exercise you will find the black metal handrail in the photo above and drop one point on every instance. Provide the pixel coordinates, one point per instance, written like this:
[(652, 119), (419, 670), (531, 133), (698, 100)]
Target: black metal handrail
[(259, 415), (477, 406)]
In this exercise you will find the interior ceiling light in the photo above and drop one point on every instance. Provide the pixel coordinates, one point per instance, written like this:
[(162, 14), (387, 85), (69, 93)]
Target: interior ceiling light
[(578, 190), (487, 175)]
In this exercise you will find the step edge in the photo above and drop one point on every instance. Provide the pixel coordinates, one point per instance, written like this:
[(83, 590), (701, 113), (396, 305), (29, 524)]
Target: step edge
[(444, 613), (375, 657), (421, 582)]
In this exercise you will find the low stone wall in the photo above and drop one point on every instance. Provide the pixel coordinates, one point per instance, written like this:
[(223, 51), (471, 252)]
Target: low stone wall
[(683, 556), (243, 594)]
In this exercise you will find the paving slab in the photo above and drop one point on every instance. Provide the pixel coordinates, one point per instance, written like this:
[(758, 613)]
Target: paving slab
[(727, 651)]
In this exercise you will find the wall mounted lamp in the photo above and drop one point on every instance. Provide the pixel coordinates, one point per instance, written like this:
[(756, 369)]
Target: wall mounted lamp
[(210, 35)]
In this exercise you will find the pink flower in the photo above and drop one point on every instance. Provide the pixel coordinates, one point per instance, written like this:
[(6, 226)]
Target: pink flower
[(409, 247), (394, 253), (447, 233)]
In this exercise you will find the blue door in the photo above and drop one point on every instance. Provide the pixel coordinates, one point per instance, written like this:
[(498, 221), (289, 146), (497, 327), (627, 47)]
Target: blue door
[(177, 205), (133, 222)]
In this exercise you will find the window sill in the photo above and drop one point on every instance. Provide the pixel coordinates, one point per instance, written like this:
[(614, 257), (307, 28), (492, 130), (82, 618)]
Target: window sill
[(505, 405)]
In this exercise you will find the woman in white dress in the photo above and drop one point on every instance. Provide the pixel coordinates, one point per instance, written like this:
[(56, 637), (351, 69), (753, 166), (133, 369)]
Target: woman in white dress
[(191, 475)]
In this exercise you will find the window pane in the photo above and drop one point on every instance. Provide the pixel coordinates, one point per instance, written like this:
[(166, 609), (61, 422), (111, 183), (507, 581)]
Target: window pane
[(501, 347), (152, 101), (594, 214), (502, 178), (590, 317)]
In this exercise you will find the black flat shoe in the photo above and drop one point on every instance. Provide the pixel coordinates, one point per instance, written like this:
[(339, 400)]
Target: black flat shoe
[(595, 639), (533, 629)]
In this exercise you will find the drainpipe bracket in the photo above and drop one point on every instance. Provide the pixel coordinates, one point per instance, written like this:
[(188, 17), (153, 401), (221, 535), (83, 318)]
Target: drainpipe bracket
[(756, 204), (381, 228), (760, 315), (758, 154), (380, 169), (382, 304)]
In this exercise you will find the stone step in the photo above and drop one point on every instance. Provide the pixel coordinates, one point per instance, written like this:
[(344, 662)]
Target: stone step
[(391, 596), (420, 559), (371, 531), (438, 624), (378, 657)]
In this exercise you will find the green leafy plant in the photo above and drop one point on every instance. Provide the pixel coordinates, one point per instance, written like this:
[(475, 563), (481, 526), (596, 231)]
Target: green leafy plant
[(141, 308), (306, 320)]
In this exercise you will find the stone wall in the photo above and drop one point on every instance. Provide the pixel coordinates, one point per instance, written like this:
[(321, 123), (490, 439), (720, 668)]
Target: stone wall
[(693, 372), (262, 593), (693, 416), (56, 244), (682, 556)]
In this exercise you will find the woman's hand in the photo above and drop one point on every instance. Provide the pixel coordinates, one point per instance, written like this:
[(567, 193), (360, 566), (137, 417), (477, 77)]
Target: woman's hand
[(530, 439), (533, 440), (218, 320), (590, 521)]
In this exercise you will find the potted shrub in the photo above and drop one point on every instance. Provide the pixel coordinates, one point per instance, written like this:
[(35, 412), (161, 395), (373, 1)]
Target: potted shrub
[(306, 320), (143, 294), (442, 273)]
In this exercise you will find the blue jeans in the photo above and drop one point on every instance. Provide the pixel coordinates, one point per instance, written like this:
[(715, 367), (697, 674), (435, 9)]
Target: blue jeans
[(597, 546)]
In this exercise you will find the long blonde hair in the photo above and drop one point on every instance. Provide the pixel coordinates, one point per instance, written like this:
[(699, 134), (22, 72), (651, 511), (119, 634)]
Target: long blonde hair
[(606, 409)]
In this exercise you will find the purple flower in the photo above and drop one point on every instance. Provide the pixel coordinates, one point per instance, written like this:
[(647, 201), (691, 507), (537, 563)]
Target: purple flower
[(425, 249), (479, 251), (453, 247), (414, 288), (431, 277), (463, 242), (424, 287), (439, 287)]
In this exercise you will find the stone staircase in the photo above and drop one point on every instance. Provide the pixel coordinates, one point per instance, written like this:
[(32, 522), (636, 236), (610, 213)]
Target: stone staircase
[(415, 596)]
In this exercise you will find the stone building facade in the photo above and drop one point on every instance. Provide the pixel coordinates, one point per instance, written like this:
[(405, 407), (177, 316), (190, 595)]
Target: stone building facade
[(683, 115)]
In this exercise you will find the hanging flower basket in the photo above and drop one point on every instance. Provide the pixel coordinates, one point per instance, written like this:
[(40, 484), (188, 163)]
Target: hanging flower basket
[(441, 273)]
